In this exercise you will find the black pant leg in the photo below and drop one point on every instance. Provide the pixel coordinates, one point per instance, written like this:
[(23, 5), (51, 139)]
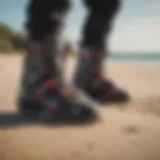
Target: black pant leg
[(99, 20), (45, 17)]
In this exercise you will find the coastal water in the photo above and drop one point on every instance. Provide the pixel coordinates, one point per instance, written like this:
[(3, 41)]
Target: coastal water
[(140, 58)]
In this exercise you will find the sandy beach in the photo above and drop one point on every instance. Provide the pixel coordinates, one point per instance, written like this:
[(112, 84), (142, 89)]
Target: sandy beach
[(126, 132)]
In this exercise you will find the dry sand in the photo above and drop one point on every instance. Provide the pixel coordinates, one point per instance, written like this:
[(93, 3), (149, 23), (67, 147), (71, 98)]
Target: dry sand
[(126, 132)]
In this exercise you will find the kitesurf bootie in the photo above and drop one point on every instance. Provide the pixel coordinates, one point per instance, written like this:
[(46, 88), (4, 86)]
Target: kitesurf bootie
[(89, 77), (96, 31), (43, 92)]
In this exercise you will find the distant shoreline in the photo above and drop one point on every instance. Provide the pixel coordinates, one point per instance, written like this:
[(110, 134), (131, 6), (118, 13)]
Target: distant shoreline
[(137, 63), (152, 59)]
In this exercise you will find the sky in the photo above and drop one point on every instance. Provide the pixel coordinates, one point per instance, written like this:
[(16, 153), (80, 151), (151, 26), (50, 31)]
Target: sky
[(136, 28)]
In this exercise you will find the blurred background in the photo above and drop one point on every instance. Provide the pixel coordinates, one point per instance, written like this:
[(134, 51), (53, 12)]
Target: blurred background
[(135, 36)]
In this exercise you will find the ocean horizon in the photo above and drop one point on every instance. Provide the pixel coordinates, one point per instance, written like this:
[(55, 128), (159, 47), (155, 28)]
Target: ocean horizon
[(140, 58)]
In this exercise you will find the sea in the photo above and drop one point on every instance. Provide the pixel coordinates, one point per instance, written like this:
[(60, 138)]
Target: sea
[(137, 58)]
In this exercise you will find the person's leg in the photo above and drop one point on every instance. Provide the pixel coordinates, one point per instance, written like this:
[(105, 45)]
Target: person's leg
[(93, 47), (99, 21), (42, 89)]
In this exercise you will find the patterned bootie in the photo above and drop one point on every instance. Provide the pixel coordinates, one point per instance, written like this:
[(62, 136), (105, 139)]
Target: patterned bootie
[(43, 93), (89, 77)]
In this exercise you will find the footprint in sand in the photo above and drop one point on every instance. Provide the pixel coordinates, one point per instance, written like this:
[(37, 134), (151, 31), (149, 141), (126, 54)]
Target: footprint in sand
[(131, 129), (76, 155), (91, 146), (59, 158)]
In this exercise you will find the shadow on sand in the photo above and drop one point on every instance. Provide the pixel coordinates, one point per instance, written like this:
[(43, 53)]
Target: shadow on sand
[(10, 120)]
